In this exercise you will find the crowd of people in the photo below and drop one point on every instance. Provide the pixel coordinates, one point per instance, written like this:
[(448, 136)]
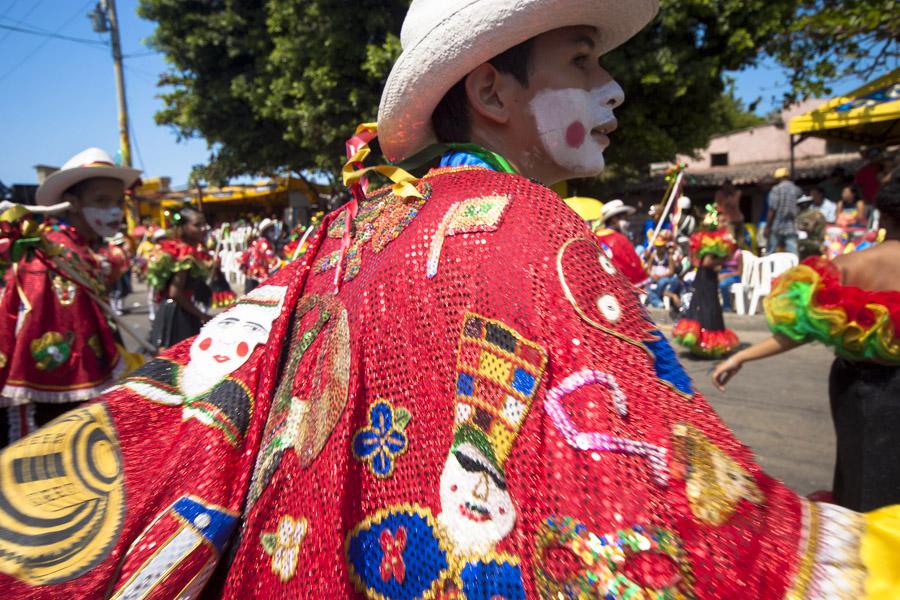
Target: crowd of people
[(803, 222), (434, 398)]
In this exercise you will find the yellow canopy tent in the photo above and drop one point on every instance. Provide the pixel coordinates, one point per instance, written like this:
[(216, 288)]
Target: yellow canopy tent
[(589, 209), (868, 115)]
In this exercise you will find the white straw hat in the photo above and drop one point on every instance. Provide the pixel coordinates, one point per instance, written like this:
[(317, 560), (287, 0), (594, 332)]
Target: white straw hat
[(444, 40), (614, 208), (87, 164)]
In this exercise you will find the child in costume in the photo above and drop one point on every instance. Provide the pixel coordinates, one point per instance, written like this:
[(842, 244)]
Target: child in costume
[(851, 304), (439, 400), (702, 330), (57, 347), (178, 272), (260, 260)]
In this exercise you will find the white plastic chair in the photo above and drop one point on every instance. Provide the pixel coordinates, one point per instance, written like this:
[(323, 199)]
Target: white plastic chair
[(767, 269), (741, 289)]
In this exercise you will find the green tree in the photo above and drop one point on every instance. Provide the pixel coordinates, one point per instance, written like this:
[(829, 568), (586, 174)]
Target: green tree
[(279, 85), (275, 85), (833, 39)]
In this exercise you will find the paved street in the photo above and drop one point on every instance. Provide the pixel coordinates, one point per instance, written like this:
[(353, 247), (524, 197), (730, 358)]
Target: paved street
[(778, 407)]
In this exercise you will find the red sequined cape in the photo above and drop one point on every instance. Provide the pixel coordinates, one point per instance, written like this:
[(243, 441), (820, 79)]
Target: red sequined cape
[(55, 342), (623, 255), (483, 410)]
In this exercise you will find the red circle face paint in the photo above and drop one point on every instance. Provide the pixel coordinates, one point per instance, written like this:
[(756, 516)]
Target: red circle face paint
[(243, 349), (575, 134), (205, 344)]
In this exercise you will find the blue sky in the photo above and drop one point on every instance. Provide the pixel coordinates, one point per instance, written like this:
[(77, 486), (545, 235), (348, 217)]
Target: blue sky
[(58, 97)]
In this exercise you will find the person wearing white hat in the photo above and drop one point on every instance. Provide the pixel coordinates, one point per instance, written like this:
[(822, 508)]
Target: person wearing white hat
[(454, 394), (616, 245), (58, 348)]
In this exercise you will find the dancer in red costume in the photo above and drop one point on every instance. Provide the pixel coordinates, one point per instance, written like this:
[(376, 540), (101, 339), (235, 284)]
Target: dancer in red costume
[(57, 347), (260, 260), (616, 246), (440, 400)]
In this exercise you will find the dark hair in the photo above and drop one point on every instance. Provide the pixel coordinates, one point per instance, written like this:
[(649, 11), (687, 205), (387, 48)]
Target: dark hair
[(184, 213), (77, 188), (888, 199), (854, 189), (451, 116), (818, 188)]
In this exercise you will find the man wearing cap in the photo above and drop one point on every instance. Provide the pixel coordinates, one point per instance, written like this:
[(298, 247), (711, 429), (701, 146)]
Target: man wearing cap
[(452, 403), (616, 245), (781, 230), (56, 346)]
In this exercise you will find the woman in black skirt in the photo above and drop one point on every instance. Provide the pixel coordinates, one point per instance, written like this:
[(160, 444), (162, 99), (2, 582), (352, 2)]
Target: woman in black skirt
[(853, 305), (179, 271)]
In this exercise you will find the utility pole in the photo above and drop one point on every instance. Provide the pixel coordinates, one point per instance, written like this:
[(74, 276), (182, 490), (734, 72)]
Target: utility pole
[(105, 19)]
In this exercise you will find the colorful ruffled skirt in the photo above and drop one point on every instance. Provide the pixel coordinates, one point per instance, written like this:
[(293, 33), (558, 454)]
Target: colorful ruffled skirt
[(703, 330)]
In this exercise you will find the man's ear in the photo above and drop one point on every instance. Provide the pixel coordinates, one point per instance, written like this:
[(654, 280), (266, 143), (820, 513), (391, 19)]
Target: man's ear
[(488, 93), (72, 199)]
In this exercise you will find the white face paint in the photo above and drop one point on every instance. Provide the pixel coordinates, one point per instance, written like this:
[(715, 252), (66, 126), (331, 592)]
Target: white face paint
[(569, 122), (104, 221), (227, 340), (476, 508)]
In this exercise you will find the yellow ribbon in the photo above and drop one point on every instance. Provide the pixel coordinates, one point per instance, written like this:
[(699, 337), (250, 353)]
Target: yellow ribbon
[(404, 182)]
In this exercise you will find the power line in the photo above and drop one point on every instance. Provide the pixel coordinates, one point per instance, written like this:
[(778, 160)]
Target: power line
[(45, 42), (54, 35), (9, 8), (23, 17)]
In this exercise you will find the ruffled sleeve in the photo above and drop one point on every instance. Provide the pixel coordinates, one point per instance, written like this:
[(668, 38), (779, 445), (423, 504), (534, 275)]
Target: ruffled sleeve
[(809, 303), (172, 256)]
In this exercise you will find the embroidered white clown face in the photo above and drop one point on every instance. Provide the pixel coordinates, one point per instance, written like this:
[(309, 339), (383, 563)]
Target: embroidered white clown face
[(227, 340), (476, 508), (573, 125)]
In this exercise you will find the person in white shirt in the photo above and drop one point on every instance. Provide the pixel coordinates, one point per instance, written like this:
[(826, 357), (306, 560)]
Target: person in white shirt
[(825, 206)]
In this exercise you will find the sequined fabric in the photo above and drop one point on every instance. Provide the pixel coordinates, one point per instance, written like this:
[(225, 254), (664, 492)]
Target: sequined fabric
[(509, 427)]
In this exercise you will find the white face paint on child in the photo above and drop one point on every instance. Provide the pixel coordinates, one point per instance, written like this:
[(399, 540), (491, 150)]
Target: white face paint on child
[(572, 125), (227, 340)]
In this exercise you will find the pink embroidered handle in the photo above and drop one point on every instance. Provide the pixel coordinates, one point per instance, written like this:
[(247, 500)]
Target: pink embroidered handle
[(601, 442)]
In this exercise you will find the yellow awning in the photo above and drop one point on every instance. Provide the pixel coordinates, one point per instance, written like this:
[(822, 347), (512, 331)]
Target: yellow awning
[(869, 115), (589, 209)]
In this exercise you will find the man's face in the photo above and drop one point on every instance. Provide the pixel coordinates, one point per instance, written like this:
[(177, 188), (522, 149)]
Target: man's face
[(476, 508), (566, 111), (100, 201), (817, 197)]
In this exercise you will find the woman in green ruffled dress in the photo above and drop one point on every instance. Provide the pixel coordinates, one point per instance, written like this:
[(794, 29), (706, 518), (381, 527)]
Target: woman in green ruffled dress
[(853, 305), (178, 273)]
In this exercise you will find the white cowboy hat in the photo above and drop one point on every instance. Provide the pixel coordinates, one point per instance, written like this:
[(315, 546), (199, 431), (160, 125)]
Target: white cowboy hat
[(87, 164), (614, 208), (265, 224), (444, 40)]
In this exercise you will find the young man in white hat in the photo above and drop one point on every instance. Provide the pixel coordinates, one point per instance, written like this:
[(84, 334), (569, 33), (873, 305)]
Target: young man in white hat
[(56, 346), (260, 260), (460, 398), (616, 245)]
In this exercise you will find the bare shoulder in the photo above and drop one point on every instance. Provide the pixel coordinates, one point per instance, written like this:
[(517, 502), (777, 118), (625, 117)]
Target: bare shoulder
[(871, 269)]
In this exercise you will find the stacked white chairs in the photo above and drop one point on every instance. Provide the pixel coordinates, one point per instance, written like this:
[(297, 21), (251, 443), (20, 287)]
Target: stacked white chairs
[(767, 269)]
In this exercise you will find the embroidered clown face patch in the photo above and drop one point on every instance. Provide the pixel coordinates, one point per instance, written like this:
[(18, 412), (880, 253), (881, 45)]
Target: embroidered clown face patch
[(477, 510), (226, 342)]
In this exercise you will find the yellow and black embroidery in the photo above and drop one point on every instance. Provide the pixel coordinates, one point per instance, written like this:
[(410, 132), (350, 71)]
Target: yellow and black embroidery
[(62, 498)]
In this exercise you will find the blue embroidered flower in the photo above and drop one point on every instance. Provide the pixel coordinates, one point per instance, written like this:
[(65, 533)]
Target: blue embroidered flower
[(383, 440)]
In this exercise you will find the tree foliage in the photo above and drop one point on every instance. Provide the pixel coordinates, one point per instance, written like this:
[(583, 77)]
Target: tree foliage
[(278, 85), (833, 39), (273, 85)]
